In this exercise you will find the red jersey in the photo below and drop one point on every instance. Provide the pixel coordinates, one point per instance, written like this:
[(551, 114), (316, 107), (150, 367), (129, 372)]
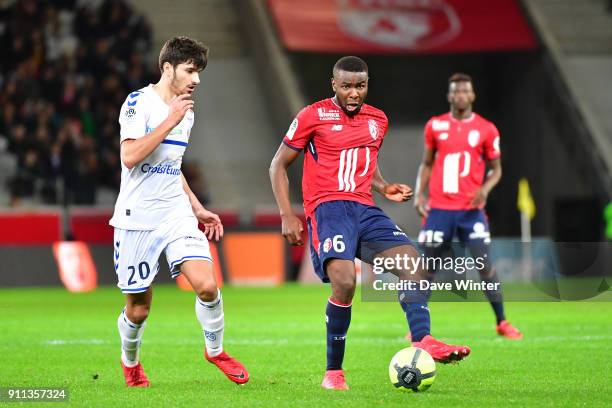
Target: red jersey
[(461, 148), (340, 151)]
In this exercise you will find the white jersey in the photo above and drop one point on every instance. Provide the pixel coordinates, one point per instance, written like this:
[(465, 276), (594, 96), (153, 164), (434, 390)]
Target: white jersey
[(152, 191)]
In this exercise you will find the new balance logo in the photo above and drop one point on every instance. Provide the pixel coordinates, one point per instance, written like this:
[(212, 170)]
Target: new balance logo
[(336, 128)]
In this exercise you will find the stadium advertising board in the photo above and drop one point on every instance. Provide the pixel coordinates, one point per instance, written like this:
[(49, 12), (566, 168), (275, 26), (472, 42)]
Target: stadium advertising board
[(401, 26)]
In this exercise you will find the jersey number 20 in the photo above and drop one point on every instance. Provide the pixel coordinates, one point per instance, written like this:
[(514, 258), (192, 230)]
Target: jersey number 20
[(143, 271)]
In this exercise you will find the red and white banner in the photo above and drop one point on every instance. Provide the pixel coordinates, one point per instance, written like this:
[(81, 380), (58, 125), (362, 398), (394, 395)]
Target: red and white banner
[(401, 26), (76, 267)]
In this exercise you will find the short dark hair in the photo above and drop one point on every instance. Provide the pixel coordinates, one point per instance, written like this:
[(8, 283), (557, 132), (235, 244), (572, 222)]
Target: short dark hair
[(179, 50), (350, 64), (459, 77)]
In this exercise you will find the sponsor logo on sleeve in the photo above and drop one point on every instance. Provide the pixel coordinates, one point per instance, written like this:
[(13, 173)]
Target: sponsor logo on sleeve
[(292, 128)]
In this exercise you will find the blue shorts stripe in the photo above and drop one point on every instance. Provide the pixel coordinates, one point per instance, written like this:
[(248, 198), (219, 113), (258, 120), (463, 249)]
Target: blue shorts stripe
[(135, 290), (173, 264)]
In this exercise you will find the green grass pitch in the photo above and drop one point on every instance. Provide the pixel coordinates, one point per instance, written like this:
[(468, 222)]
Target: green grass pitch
[(51, 338)]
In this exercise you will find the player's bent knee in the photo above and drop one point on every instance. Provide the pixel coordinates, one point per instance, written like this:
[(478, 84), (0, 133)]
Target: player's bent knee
[(207, 290), (342, 277), (344, 285), (137, 313)]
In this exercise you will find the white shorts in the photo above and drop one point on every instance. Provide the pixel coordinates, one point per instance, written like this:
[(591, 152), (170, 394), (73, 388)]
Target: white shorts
[(137, 252)]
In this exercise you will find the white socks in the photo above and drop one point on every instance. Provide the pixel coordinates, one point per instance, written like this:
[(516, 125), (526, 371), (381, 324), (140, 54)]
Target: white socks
[(131, 334), (210, 315)]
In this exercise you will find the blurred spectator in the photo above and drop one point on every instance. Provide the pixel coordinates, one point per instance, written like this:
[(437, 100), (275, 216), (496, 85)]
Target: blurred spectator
[(66, 66)]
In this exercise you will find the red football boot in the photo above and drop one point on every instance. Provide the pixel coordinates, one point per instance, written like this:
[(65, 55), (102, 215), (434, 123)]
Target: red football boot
[(442, 352), (334, 380), (504, 328), (231, 367), (135, 376)]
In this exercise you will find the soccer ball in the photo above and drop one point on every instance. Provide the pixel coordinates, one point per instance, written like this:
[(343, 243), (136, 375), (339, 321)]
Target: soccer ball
[(412, 369)]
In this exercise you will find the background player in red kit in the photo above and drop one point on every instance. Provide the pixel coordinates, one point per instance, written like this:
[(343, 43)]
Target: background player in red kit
[(341, 137), (458, 146)]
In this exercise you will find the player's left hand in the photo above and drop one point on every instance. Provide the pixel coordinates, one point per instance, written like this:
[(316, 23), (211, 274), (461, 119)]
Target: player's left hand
[(479, 198), (213, 228), (397, 192)]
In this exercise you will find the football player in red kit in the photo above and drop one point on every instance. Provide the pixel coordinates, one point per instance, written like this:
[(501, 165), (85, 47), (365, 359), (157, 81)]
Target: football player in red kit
[(458, 146), (341, 137)]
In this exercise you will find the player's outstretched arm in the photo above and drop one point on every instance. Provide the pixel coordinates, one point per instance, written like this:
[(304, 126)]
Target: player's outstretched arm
[(213, 228), (133, 151), (392, 191), (422, 181), (493, 176), (292, 226)]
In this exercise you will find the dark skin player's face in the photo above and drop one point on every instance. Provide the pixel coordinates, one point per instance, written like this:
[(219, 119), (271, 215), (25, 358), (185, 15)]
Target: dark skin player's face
[(461, 96), (351, 89)]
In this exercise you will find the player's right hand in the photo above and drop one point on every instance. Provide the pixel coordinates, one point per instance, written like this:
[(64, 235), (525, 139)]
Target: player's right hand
[(292, 229), (179, 105), (420, 205)]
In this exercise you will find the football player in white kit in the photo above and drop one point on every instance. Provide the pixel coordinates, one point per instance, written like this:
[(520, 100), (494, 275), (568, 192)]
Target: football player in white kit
[(157, 212)]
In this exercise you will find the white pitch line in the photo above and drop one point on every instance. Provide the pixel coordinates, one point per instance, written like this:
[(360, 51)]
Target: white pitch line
[(316, 342), (59, 342)]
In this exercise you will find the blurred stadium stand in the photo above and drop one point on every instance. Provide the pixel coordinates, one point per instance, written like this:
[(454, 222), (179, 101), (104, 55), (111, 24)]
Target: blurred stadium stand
[(579, 37), (232, 137), (578, 58), (65, 68)]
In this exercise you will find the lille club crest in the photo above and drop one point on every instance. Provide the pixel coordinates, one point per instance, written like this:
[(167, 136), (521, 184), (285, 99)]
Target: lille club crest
[(373, 126), (407, 24), (327, 245)]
